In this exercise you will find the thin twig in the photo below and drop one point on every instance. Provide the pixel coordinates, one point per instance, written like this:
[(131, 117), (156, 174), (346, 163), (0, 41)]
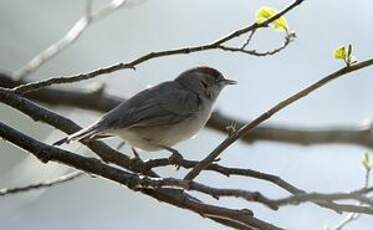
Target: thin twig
[(288, 39), (132, 64), (248, 40), (45, 184), (245, 130), (70, 37)]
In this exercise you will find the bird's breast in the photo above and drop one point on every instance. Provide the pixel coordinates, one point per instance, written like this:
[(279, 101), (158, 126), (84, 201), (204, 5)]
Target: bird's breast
[(150, 138)]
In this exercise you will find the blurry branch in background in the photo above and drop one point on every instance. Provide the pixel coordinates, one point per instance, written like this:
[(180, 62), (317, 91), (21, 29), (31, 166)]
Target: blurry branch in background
[(46, 184), (70, 37), (152, 55), (247, 128), (96, 99)]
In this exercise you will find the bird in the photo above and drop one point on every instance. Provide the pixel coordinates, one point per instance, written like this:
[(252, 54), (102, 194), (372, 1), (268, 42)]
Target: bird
[(161, 116)]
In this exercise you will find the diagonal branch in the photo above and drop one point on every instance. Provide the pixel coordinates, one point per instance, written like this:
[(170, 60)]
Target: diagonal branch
[(70, 37), (132, 64), (245, 130)]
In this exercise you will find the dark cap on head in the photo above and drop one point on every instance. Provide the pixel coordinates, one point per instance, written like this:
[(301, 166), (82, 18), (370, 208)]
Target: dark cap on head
[(208, 70)]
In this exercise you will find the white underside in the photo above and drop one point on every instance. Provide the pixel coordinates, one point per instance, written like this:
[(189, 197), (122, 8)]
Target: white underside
[(152, 138)]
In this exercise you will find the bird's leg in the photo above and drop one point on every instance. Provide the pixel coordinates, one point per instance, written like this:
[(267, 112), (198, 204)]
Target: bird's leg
[(176, 158), (137, 162), (136, 159), (135, 153)]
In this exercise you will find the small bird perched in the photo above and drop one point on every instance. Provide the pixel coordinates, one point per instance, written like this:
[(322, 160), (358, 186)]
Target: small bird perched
[(161, 116)]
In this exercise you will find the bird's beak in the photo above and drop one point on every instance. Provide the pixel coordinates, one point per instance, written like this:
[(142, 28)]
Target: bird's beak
[(228, 82)]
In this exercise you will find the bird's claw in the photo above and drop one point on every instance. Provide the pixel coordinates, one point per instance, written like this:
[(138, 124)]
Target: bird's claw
[(175, 159)]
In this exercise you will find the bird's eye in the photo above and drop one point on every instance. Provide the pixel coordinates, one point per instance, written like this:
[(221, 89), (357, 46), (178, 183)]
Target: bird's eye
[(204, 84)]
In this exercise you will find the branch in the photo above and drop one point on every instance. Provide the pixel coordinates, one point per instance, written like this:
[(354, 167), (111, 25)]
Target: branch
[(92, 165), (187, 164), (98, 100), (245, 130), (358, 195), (258, 197), (69, 38), (132, 64), (46, 184)]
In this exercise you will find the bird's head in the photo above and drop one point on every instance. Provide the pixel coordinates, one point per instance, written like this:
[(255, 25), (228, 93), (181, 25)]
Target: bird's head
[(205, 81)]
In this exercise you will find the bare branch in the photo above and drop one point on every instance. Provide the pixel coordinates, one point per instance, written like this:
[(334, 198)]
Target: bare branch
[(248, 40), (258, 197), (70, 37), (265, 116), (132, 64), (339, 208), (46, 184), (358, 195)]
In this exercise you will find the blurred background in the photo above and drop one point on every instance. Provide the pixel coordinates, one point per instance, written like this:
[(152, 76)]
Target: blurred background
[(26, 28)]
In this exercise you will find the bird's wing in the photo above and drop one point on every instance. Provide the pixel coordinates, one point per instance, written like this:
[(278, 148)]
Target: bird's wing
[(164, 104)]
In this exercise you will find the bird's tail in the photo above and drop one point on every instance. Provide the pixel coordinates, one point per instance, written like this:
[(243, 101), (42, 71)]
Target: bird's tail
[(82, 135)]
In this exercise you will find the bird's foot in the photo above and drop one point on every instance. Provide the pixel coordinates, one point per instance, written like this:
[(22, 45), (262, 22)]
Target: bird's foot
[(175, 159), (137, 164)]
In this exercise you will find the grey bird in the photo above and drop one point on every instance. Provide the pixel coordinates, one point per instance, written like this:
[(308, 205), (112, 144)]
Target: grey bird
[(161, 116)]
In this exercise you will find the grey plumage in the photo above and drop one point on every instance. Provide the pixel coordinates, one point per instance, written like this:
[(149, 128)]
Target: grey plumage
[(162, 115)]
